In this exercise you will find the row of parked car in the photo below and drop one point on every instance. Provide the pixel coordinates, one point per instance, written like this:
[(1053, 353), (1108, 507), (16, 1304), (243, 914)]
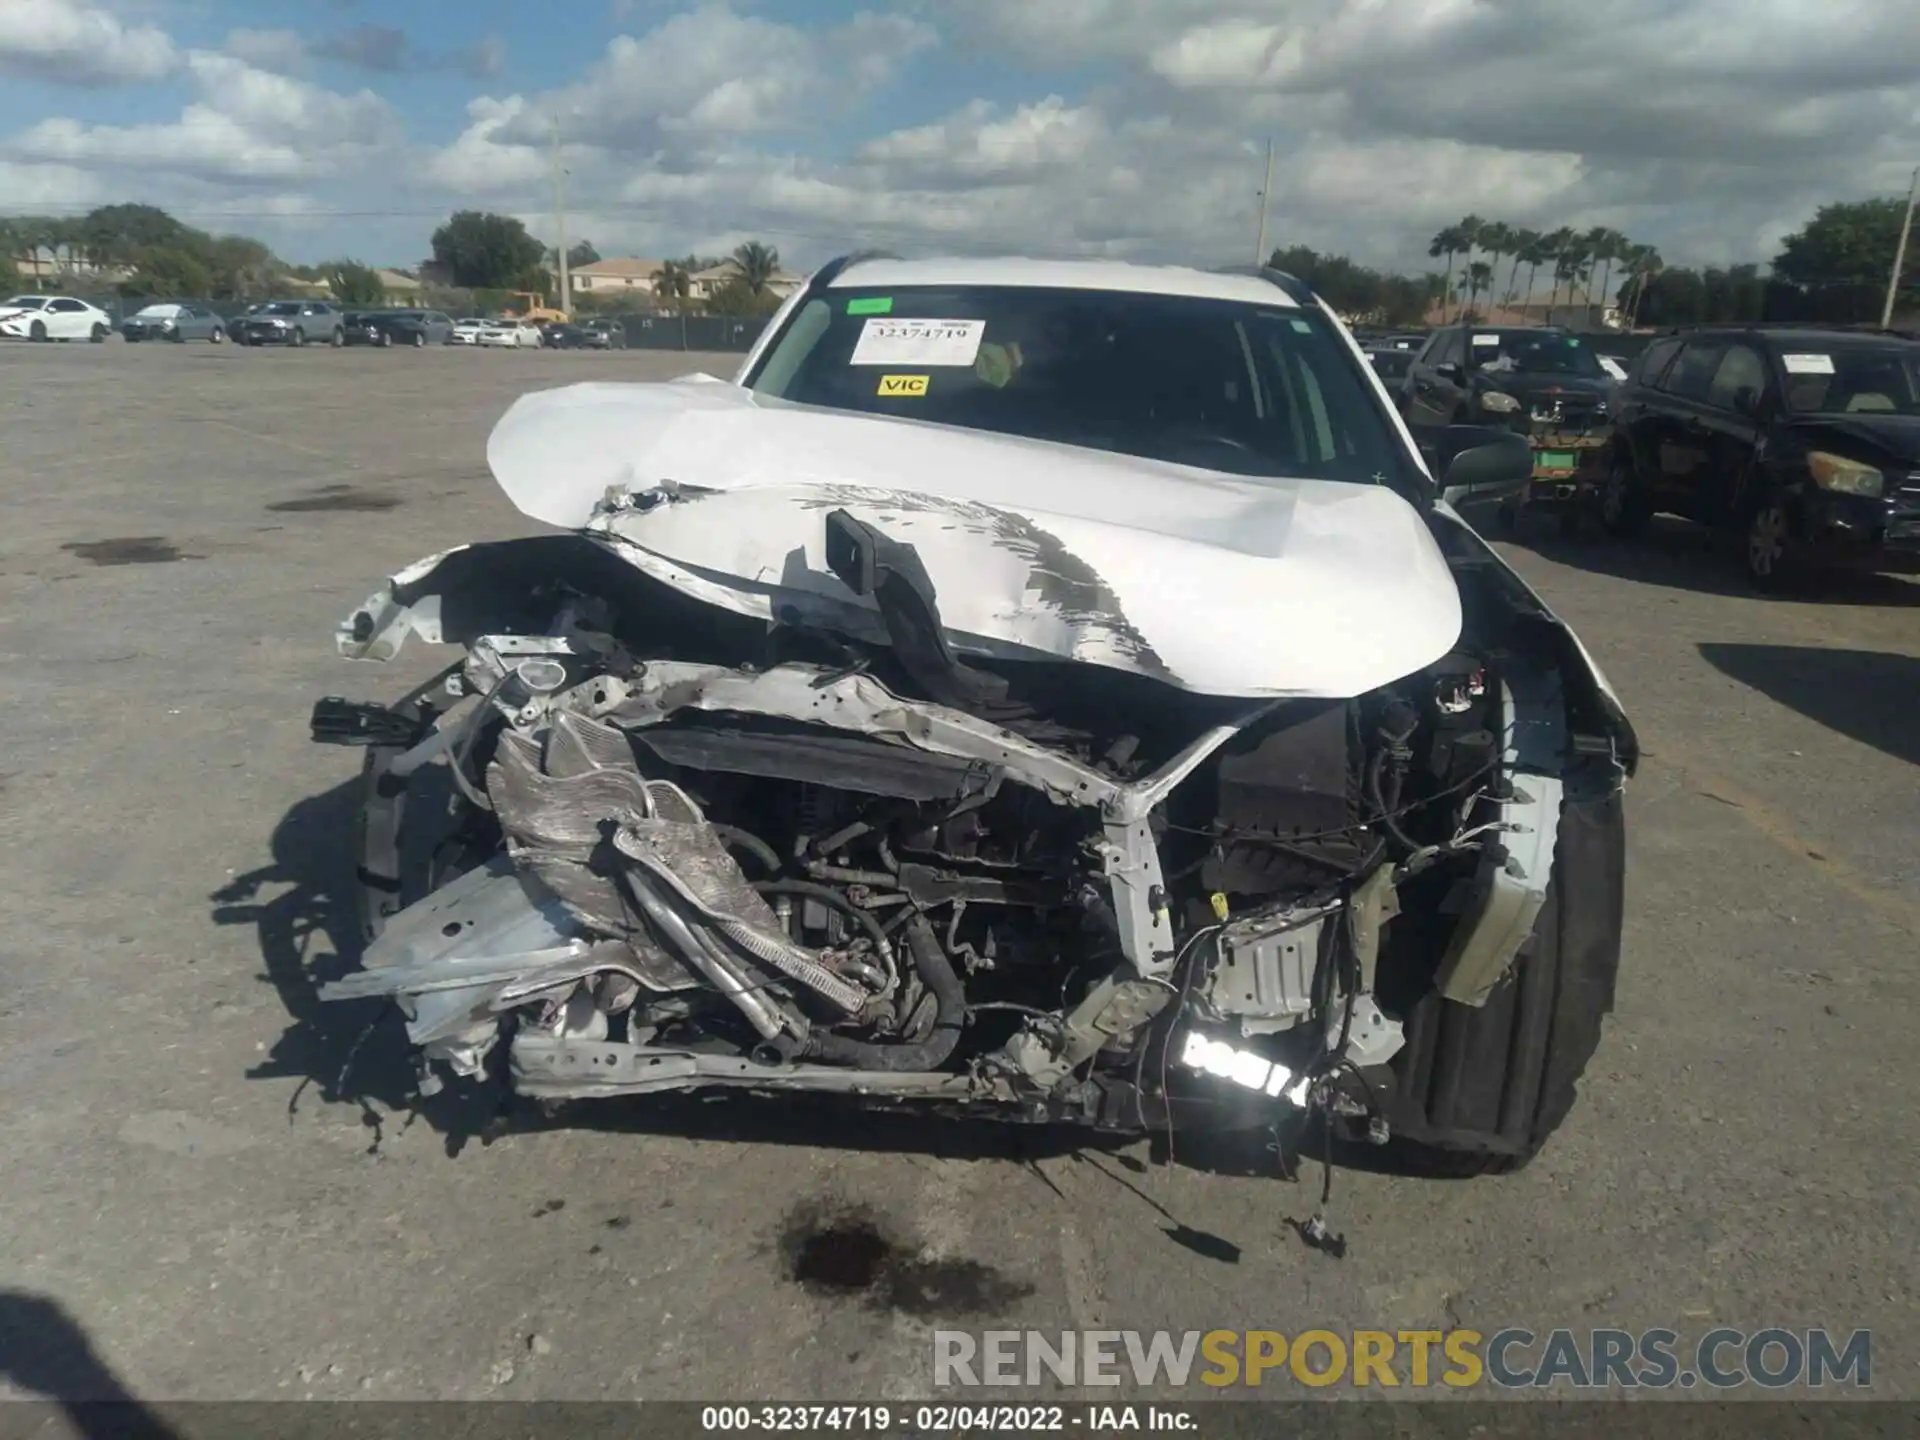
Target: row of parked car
[(295, 323), (1801, 441)]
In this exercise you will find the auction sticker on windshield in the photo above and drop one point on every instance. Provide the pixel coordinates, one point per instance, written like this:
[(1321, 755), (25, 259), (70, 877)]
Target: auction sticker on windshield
[(1808, 364), (919, 342)]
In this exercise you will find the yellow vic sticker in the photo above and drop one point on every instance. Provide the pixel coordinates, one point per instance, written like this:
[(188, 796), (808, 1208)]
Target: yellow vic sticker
[(897, 385)]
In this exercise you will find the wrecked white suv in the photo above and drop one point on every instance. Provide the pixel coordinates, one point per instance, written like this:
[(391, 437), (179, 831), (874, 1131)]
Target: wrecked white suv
[(1053, 691)]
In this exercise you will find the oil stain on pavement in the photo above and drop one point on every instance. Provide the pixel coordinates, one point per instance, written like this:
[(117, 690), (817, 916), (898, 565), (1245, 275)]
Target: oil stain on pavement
[(337, 497), (129, 550), (848, 1253)]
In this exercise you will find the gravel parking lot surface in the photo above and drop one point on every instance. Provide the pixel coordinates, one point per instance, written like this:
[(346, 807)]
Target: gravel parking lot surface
[(189, 1179)]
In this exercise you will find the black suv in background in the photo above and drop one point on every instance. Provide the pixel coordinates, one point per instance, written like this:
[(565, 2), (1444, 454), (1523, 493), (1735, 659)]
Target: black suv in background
[(1805, 441), (1540, 381), (417, 328), (1505, 376)]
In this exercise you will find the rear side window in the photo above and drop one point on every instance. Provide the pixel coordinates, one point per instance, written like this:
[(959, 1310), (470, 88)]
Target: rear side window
[(1692, 374), (1654, 361)]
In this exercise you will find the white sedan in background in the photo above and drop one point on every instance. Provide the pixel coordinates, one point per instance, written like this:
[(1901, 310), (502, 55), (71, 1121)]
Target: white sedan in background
[(53, 317), (511, 333)]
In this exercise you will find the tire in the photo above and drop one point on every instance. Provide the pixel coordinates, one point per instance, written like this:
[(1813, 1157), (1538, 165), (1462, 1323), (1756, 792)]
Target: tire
[(385, 340), (1624, 507), (37, 331), (337, 337), (419, 339), (1479, 1091), (299, 337), (179, 337), (98, 336), (218, 337), (1767, 549)]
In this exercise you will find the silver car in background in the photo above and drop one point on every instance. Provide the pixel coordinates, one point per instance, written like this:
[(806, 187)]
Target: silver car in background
[(175, 322)]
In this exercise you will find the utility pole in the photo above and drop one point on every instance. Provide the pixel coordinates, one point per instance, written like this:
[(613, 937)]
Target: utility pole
[(560, 219), (1900, 253), (1260, 245)]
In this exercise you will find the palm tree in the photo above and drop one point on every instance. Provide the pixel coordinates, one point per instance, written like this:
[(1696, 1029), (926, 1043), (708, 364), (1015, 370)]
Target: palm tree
[(1479, 277), (1573, 265), (1537, 252), (674, 284), (758, 262), (1448, 242), (1473, 231), (1605, 246), (1557, 244), (1645, 263), (1519, 242), (1496, 238)]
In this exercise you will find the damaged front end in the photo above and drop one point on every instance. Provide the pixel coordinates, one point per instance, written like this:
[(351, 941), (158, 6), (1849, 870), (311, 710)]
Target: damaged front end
[(683, 848)]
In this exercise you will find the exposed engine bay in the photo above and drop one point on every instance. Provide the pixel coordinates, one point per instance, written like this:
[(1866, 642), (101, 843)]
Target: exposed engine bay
[(688, 850)]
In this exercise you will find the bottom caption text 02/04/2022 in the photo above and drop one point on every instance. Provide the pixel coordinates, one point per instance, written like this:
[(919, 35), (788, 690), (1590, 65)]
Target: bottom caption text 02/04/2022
[(943, 1418)]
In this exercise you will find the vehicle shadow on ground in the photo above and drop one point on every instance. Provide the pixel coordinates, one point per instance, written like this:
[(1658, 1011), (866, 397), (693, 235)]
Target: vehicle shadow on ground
[(1676, 554), (45, 1352), (309, 935), (1870, 696)]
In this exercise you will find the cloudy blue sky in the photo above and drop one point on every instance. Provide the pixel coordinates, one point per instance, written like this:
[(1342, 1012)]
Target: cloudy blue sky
[(1126, 127)]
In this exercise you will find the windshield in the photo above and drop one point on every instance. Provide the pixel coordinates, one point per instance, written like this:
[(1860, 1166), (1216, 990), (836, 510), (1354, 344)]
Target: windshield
[(1853, 380), (282, 307), (1532, 352), (1221, 385), (1391, 364), (158, 312), (26, 302)]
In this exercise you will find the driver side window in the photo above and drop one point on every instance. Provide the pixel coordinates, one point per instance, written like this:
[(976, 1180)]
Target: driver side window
[(1741, 369)]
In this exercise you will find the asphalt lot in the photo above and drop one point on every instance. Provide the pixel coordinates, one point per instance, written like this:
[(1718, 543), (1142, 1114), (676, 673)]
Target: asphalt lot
[(193, 1186)]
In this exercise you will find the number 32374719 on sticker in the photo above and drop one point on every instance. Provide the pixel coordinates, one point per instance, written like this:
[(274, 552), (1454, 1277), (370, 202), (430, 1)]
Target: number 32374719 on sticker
[(890, 341)]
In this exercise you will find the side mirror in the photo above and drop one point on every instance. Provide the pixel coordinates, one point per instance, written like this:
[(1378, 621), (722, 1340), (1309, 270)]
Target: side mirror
[(1482, 463), (1451, 370)]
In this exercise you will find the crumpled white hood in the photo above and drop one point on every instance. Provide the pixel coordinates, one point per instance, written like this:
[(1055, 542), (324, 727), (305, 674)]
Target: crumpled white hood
[(1215, 584)]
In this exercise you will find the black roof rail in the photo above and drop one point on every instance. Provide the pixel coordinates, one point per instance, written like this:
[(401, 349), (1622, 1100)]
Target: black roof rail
[(840, 264), (1297, 289)]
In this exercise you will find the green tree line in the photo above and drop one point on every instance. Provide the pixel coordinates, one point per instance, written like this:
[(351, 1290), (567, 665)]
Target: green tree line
[(1834, 269)]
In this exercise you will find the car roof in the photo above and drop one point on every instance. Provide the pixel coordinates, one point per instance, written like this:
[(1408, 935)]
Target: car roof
[(1796, 334), (1062, 275), (1510, 329)]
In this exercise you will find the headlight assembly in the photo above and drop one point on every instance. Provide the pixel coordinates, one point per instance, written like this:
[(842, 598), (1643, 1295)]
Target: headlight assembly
[(1497, 402), (1844, 476)]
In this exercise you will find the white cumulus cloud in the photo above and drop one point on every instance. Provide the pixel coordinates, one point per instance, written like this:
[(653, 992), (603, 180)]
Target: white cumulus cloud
[(79, 44)]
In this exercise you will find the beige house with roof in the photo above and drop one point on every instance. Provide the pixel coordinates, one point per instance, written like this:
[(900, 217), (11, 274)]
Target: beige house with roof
[(704, 283), (613, 277)]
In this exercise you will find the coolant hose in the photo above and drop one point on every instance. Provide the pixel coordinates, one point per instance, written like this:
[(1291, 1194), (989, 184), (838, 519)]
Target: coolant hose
[(930, 963)]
